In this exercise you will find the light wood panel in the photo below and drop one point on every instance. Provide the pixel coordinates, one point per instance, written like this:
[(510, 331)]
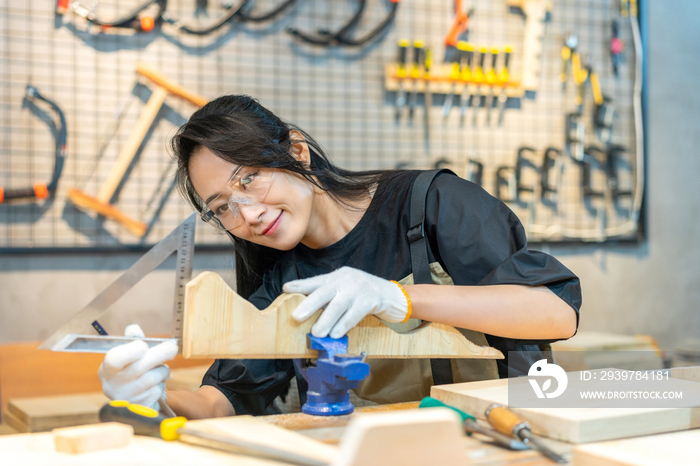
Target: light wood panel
[(218, 323), (576, 425), (676, 449), (41, 414)]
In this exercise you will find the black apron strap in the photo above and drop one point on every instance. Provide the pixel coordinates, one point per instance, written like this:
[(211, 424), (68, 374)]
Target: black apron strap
[(420, 265)]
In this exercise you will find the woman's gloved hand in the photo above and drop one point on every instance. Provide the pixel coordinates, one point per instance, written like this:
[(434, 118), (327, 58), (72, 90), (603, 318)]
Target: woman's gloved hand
[(135, 373), (348, 295)]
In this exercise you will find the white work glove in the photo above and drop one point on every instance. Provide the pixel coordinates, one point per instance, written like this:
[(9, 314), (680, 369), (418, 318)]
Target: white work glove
[(135, 373), (348, 295)]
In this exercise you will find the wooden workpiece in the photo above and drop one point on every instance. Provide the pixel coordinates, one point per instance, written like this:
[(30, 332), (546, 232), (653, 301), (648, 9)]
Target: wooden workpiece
[(675, 449), (102, 202), (577, 425), (97, 437), (219, 323)]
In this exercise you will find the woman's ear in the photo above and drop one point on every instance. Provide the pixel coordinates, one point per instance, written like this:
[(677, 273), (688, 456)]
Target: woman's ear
[(300, 149)]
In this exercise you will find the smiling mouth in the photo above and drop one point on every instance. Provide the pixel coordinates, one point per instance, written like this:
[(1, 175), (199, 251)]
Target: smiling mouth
[(272, 225)]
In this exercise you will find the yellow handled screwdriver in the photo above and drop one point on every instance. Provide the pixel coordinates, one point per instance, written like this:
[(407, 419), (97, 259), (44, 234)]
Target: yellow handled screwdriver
[(149, 422), (508, 423), (401, 74)]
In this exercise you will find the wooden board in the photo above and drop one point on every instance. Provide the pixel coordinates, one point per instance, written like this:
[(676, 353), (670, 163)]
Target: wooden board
[(96, 437), (218, 323), (41, 414), (576, 425), (686, 373), (603, 341), (422, 436), (676, 449)]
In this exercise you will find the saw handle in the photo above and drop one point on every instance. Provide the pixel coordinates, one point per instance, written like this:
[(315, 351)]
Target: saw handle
[(169, 85)]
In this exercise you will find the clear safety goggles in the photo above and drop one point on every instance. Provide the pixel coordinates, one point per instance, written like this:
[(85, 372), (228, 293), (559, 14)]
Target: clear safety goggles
[(247, 186)]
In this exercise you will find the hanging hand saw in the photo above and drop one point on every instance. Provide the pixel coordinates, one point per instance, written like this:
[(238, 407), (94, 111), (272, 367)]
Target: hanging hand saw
[(68, 337)]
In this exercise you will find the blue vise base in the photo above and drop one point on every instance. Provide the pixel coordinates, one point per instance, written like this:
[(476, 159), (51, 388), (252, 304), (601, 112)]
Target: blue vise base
[(336, 372)]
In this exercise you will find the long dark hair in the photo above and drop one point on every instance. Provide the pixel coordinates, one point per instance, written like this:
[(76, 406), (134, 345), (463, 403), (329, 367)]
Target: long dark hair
[(241, 131)]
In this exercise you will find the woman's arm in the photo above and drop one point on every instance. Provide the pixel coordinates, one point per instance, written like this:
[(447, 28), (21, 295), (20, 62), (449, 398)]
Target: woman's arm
[(207, 402), (511, 311)]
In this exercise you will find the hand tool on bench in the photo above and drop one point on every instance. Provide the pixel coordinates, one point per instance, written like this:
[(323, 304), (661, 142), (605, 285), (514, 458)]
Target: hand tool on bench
[(471, 425), (147, 421), (508, 423), (102, 202)]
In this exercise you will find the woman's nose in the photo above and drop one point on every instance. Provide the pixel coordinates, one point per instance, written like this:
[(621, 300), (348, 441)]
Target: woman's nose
[(251, 213)]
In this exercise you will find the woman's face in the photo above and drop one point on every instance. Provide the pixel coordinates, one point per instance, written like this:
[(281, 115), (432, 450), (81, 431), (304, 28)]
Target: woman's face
[(281, 220)]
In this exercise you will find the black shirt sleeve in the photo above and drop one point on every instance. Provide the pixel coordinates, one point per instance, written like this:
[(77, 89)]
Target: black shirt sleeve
[(480, 241), (251, 385)]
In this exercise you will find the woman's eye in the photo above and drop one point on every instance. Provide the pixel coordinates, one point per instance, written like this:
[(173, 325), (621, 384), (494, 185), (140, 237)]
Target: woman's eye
[(247, 180), (221, 210)]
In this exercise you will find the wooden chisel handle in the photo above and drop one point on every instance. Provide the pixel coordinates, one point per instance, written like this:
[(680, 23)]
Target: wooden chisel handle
[(504, 420)]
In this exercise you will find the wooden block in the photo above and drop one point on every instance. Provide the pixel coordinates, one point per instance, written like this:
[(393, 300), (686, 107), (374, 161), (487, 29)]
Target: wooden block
[(676, 449), (602, 341), (218, 323), (576, 425), (413, 437), (45, 413), (96, 437)]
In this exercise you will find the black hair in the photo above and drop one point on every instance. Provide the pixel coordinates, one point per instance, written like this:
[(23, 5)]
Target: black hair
[(239, 130)]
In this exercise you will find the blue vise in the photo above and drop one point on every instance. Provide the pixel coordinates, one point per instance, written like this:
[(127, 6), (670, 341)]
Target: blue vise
[(335, 373)]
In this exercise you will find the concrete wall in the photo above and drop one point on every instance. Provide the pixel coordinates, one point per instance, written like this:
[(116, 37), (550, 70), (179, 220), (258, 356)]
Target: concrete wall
[(653, 288)]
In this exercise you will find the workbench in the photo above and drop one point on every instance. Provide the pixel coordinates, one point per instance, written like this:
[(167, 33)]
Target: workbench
[(38, 448)]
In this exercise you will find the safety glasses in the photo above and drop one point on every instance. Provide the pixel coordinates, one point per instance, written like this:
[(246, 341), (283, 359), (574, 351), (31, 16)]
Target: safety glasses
[(247, 186)]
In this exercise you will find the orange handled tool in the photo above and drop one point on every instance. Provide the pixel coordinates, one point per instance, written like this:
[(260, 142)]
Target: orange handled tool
[(508, 423)]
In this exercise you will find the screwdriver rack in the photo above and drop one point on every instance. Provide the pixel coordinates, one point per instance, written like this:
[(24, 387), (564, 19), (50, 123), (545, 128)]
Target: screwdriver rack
[(440, 81)]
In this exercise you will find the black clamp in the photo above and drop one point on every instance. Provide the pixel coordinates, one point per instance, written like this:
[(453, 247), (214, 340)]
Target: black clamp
[(340, 37)]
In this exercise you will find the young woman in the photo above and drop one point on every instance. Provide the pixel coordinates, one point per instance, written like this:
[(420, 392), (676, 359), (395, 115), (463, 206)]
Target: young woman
[(300, 224)]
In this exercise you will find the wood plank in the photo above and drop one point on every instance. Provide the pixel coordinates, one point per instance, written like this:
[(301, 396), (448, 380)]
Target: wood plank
[(6, 429), (41, 414), (686, 373), (675, 449), (576, 425), (15, 422), (218, 323), (604, 341), (83, 439), (419, 436), (250, 429)]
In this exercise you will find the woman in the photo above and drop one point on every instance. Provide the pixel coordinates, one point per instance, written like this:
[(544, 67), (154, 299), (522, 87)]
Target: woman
[(301, 224)]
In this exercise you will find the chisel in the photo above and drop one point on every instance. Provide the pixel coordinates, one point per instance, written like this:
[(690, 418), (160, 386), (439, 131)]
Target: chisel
[(467, 52), (470, 425), (147, 421), (508, 423), (428, 102), (416, 64)]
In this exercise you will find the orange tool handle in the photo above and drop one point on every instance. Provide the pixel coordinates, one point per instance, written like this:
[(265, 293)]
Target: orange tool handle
[(168, 84), (503, 420), (460, 24)]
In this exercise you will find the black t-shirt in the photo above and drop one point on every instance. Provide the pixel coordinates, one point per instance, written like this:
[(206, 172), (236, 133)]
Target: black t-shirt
[(475, 237)]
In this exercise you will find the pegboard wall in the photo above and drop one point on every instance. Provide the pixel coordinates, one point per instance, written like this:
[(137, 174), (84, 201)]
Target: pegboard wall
[(336, 93)]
